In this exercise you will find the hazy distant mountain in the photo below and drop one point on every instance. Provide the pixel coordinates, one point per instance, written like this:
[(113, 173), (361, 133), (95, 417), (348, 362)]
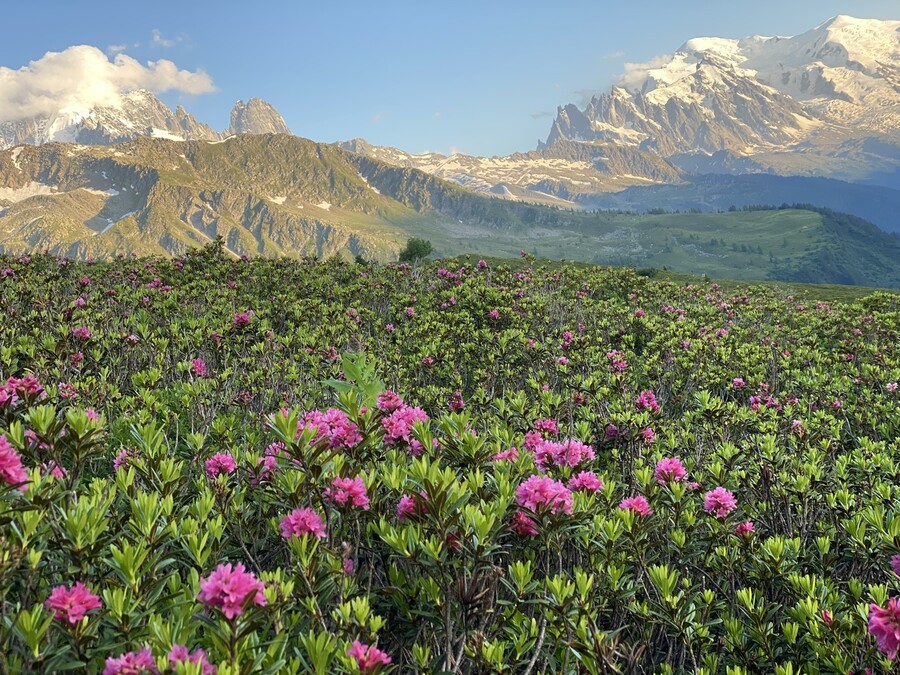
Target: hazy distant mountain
[(826, 102), (256, 117)]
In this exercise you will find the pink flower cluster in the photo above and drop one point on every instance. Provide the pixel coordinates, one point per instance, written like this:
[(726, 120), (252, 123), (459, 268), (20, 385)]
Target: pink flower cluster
[(219, 464), (332, 424), (638, 504), (198, 367), (229, 588), (884, 624), (73, 602), (389, 401), (646, 400), (180, 654), (398, 426), (348, 491), (131, 663), (586, 481), (539, 493), (368, 658), (569, 452), (301, 522), (11, 470), (617, 362), (16, 388), (669, 470), (719, 502)]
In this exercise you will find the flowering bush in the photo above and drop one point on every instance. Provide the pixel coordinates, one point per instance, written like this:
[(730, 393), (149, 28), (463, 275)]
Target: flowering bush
[(418, 485)]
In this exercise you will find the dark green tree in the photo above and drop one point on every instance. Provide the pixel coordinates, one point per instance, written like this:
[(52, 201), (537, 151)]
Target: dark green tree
[(415, 249)]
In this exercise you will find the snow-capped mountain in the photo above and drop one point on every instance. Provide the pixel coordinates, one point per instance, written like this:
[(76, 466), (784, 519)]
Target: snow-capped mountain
[(136, 114), (794, 104)]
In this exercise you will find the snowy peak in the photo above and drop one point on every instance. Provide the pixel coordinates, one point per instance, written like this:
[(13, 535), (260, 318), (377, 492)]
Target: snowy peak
[(831, 85), (256, 117)]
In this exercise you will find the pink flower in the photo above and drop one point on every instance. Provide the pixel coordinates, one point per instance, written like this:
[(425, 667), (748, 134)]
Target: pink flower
[(131, 663), (891, 387), (738, 383), (456, 401), (669, 470), (547, 427), (408, 506), (350, 491), (895, 564), (198, 367), (638, 504), (82, 333), (398, 425), (586, 481), (562, 360), (180, 654), (744, 529), (510, 455), (332, 424), (369, 659), (544, 493), (389, 401), (301, 522), (719, 502), (229, 588), (52, 468), (646, 400), (220, 463), (523, 525), (649, 436), (11, 469), (72, 603), (349, 566), (884, 624), (241, 319), (124, 459), (494, 314)]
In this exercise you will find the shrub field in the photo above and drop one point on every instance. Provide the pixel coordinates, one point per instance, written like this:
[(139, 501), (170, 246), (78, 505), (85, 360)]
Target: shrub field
[(273, 466)]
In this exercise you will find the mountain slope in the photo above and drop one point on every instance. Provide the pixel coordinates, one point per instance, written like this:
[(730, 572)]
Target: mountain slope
[(256, 117), (282, 195)]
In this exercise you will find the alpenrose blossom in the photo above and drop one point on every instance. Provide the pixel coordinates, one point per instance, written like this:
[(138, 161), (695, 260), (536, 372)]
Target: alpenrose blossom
[(72, 603), (11, 470), (638, 504), (669, 470), (228, 589), (131, 663), (543, 493), (300, 522), (348, 491), (884, 624), (368, 658), (570, 452), (586, 481), (179, 654), (745, 529), (895, 564), (398, 425), (332, 424), (220, 463), (510, 455), (719, 502), (523, 525)]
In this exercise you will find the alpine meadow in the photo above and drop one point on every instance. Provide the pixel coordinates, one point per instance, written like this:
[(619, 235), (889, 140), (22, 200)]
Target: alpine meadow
[(623, 401)]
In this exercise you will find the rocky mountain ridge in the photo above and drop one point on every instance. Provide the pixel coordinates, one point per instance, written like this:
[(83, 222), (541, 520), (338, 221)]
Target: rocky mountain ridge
[(137, 114)]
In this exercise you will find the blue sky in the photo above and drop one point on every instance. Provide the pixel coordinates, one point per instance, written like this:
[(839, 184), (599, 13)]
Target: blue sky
[(479, 77)]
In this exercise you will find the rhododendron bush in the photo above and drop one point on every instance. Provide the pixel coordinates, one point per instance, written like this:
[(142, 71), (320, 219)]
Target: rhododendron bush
[(271, 466)]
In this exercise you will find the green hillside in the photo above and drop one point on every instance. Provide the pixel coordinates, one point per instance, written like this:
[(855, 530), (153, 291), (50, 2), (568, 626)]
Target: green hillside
[(278, 195)]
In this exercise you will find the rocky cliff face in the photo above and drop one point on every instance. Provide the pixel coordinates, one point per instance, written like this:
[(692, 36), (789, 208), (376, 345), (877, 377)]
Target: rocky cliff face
[(256, 117)]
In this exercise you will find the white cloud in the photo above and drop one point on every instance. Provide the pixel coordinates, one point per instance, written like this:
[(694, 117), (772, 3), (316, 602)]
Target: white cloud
[(115, 49), (613, 55), (159, 41), (636, 73), (81, 77)]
